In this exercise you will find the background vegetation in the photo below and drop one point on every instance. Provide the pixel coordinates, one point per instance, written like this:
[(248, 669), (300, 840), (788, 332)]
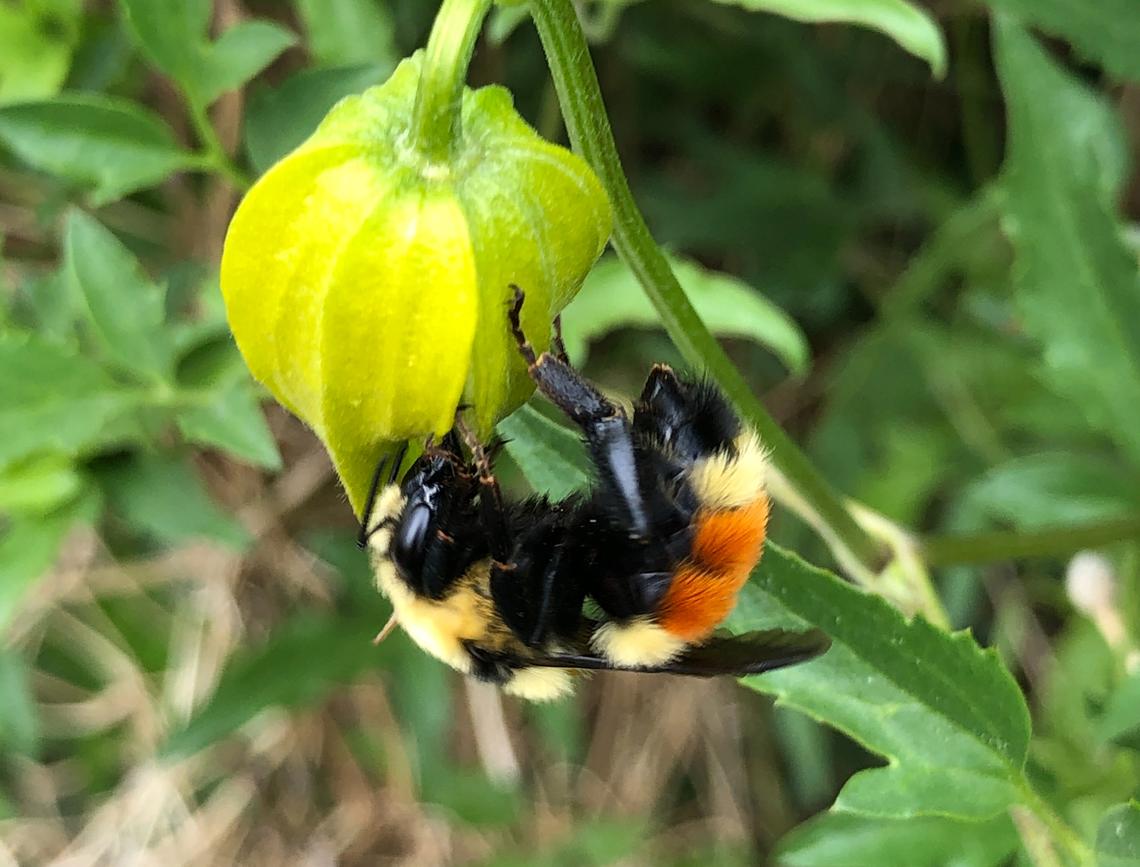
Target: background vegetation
[(919, 243)]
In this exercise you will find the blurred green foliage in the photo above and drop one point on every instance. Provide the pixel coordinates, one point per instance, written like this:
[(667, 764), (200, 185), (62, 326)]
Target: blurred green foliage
[(915, 227)]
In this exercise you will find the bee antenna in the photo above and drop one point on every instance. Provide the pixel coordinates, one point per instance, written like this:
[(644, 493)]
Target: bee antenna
[(403, 450), (374, 489)]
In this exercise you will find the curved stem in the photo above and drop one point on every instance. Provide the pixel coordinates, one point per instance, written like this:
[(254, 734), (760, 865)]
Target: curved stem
[(436, 115), (1051, 541), (589, 130), (213, 156)]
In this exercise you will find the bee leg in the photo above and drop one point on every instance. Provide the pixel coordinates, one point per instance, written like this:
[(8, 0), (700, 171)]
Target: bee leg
[(625, 470), (557, 347), (567, 389), (487, 666), (491, 513), (542, 596)]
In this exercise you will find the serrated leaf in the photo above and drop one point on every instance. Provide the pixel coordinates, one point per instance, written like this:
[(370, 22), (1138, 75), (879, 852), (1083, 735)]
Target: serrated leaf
[(230, 418), (551, 456), (1118, 837), (1104, 31), (54, 400), (173, 35), (849, 840), (159, 494), (350, 31), (907, 24), (946, 715), (125, 309), (110, 145), (1077, 282), (239, 54), (29, 546), (611, 298), (278, 119), (299, 664)]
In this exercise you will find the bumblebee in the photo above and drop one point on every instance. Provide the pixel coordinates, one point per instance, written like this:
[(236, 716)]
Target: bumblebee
[(661, 544), (679, 510)]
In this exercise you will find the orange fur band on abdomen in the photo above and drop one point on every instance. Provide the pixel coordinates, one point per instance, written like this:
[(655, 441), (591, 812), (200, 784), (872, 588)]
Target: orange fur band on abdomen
[(726, 548)]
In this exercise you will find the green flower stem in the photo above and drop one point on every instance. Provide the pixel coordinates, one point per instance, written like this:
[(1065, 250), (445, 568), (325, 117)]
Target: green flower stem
[(436, 115), (589, 130), (1049, 542), (213, 156)]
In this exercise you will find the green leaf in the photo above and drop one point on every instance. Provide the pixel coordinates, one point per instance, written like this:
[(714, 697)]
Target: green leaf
[(1055, 488), (910, 26), (504, 21), (298, 665), (54, 400), (1120, 720), (38, 485), (612, 298), (551, 456), (162, 496), (1077, 283), (36, 43), (29, 546), (849, 840), (50, 302), (231, 419), (239, 54), (170, 32), (19, 723), (110, 145), (1104, 31), (946, 715), (1118, 837), (472, 798), (278, 119), (350, 31), (173, 35), (125, 309)]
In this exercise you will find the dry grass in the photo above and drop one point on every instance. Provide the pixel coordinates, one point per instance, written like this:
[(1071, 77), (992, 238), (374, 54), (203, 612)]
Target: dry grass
[(289, 787)]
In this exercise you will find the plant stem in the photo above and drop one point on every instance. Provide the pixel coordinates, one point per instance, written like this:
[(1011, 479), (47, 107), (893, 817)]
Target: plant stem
[(436, 115), (214, 156), (589, 130), (1051, 541), (1068, 841)]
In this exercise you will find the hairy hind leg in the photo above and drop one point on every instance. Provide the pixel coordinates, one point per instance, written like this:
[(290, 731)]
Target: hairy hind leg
[(562, 384), (625, 470)]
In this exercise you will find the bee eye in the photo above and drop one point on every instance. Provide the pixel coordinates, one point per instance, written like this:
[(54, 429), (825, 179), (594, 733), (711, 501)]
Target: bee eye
[(408, 541)]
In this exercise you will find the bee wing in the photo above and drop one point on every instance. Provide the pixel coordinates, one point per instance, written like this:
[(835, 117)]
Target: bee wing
[(738, 655)]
